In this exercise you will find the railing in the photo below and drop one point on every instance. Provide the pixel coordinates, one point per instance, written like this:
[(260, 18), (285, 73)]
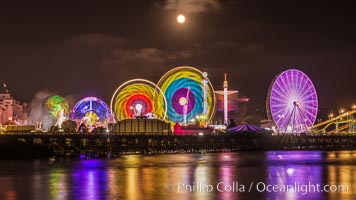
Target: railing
[(322, 126), (27, 133), (108, 133)]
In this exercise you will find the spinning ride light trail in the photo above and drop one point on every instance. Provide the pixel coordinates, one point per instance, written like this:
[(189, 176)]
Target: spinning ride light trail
[(184, 89), (138, 97), (91, 111), (57, 107), (205, 96)]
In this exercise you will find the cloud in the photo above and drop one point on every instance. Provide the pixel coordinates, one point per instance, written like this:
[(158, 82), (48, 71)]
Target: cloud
[(224, 44), (139, 59), (144, 59), (97, 39), (117, 56), (254, 48), (179, 55), (192, 6)]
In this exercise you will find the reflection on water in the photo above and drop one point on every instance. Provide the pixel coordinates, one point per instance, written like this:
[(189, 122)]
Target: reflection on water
[(301, 171), (184, 176), (344, 174)]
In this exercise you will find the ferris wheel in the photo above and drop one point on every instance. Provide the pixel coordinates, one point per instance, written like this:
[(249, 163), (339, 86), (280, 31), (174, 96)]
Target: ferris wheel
[(292, 102)]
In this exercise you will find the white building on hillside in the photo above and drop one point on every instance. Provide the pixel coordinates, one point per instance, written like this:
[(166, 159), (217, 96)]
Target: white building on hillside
[(11, 111)]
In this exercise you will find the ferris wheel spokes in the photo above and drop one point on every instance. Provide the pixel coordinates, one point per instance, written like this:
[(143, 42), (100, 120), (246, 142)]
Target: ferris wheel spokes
[(292, 102)]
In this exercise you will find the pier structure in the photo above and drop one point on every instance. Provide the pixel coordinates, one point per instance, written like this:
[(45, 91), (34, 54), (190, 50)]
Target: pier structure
[(106, 144)]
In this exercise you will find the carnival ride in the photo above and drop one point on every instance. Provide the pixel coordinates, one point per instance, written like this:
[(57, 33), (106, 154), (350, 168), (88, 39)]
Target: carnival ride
[(292, 102), (91, 112), (138, 98), (58, 108), (228, 102), (184, 95), (189, 94), (343, 123)]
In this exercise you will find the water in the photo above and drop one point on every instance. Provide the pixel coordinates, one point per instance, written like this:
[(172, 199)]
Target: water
[(184, 176)]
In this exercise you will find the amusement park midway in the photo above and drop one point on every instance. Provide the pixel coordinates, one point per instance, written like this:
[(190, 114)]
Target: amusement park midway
[(181, 113), (178, 138), (177, 99)]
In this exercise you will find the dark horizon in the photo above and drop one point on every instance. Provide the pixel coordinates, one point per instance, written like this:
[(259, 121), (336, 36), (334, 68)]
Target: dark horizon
[(90, 48)]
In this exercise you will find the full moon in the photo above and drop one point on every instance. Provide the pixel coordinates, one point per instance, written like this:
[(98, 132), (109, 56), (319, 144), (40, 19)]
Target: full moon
[(181, 19)]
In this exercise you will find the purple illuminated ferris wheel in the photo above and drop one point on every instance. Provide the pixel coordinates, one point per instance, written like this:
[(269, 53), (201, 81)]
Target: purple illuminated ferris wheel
[(292, 102)]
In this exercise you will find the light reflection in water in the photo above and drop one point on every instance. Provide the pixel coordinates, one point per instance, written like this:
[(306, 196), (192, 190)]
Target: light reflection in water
[(132, 184), (147, 177), (201, 179), (294, 171), (7, 185), (58, 184), (114, 190), (227, 175), (89, 179), (342, 174)]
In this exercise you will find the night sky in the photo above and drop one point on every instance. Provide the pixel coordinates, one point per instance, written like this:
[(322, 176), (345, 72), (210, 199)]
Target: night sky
[(91, 47)]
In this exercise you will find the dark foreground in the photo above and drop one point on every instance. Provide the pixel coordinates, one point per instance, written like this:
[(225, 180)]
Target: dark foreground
[(107, 144)]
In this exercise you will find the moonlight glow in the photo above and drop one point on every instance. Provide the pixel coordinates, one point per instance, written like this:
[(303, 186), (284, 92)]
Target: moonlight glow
[(181, 19)]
